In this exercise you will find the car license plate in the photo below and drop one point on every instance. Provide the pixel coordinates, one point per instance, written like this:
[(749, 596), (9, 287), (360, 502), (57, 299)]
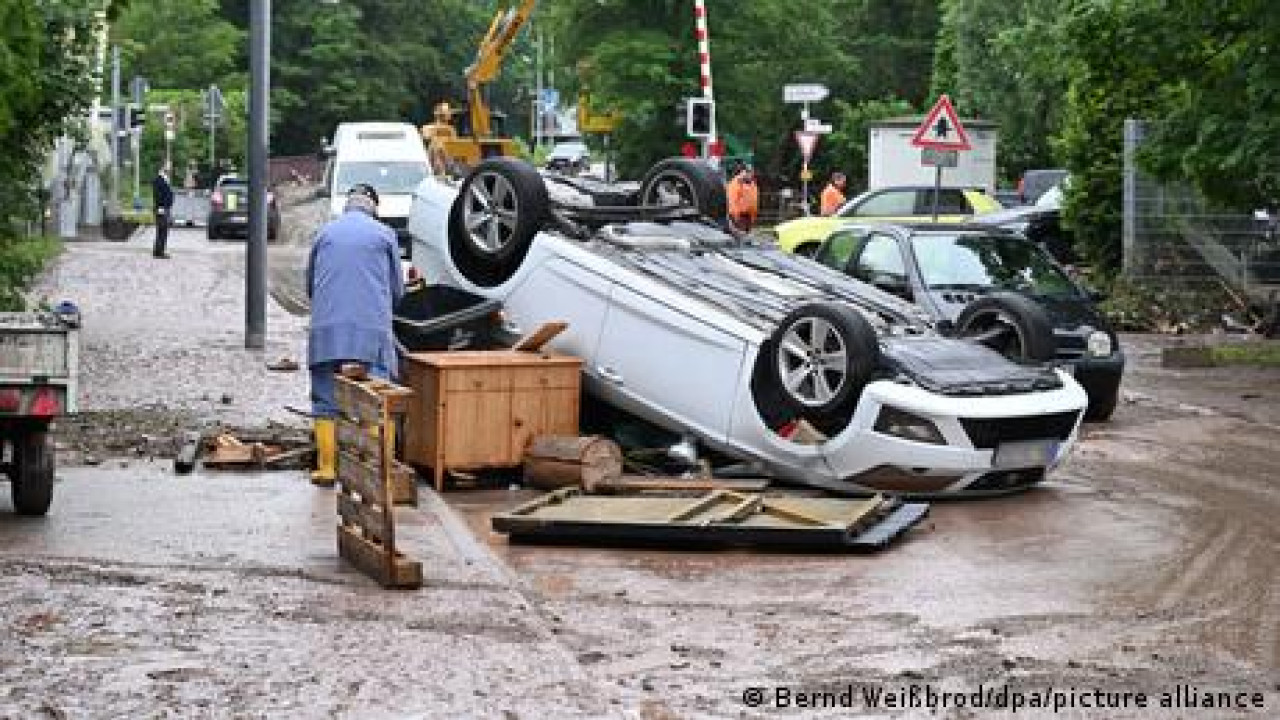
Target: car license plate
[(239, 218), (1025, 454)]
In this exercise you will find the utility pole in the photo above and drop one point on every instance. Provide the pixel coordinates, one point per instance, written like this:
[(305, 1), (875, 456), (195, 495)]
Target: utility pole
[(117, 126), (711, 141), (256, 252)]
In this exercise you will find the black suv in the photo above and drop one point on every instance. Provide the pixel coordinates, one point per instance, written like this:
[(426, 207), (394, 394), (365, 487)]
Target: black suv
[(229, 210), (992, 284)]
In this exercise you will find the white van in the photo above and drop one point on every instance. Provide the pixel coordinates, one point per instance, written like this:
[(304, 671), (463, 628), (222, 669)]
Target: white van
[(387, 155)]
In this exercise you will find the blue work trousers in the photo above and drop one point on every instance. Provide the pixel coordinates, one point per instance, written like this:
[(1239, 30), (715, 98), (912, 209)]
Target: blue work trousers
[(324, 402)]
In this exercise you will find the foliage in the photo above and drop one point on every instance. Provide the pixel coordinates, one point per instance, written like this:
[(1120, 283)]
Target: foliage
[(1217, 115), (21, 260), (46, 78), (179, 44), (1001, 60)]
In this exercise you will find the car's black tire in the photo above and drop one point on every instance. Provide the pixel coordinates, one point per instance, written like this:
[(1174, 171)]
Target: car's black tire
[(685, 181), (1102, 407), (819, 359), (1014, 325), (504, 204), (32, 481)]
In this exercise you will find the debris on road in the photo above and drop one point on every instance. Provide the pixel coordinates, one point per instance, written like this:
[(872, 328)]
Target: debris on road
[(366, 448), (718, 518), (185, 461), (552, 462), (284, 364)]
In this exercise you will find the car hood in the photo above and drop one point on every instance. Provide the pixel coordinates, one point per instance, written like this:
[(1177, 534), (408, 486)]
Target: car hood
[(1024, 214), (794, 232)]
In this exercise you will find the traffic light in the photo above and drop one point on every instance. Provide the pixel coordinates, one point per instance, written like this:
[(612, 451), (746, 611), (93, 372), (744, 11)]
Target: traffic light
[(137, 117), (698, 117)]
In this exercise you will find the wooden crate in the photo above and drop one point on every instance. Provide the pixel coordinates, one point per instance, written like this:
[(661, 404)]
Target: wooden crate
[(480, 409)]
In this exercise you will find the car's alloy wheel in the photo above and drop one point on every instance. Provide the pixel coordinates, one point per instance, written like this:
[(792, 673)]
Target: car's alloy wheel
[(817, 361), (491, 212), (1011, 324), (685, 182), (499, 210), (812, 361)]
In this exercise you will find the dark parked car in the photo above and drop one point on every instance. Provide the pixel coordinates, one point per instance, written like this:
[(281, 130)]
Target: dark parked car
[(229, 210), (991, 284)]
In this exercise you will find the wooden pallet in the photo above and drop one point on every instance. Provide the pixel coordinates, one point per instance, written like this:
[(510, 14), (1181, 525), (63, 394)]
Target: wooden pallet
[(367, 472)]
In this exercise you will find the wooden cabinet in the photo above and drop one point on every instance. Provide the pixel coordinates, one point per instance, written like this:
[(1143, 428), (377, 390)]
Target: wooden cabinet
[(480, 409)]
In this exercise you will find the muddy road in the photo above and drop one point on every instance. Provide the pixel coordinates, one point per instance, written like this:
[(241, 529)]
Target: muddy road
[(1148, 565)]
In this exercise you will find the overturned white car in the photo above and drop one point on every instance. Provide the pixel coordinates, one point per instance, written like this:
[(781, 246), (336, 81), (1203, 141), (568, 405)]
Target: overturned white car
[(708, 333)]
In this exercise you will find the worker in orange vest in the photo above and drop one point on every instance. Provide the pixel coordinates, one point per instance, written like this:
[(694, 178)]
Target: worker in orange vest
[(744, 199), (833, 194)]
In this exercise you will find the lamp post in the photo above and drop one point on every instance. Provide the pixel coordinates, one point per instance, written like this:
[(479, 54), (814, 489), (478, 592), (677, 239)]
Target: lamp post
[(256, 252)]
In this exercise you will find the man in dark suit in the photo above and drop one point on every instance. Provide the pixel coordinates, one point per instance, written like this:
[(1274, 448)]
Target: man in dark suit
[(162, 201)]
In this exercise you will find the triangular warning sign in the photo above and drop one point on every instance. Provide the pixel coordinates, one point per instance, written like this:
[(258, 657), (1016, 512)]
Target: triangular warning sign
[(941, 129)]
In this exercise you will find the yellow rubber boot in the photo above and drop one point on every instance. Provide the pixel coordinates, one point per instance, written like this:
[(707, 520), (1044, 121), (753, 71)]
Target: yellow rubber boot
[(326, 432)]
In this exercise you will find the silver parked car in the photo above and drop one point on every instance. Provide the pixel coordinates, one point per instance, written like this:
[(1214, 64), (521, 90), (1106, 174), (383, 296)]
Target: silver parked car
[(719, 336)]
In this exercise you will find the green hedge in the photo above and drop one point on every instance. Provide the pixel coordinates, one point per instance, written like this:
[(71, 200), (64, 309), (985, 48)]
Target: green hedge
[(21, 260)]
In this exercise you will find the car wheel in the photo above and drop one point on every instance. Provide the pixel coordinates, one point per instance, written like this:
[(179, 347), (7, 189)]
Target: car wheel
[(1011, 324), (33, 473), (684, 181), (211, 232), (820, 358), (504, 203), (488, 259)]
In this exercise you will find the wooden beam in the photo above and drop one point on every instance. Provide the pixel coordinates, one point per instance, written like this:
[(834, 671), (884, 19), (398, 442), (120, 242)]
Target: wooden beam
[(388, 568)]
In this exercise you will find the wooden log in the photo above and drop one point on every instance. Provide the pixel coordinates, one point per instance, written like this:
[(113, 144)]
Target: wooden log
[(555, 461)]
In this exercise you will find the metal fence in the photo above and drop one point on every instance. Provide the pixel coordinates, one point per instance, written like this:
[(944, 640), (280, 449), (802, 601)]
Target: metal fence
[(1174, 239)]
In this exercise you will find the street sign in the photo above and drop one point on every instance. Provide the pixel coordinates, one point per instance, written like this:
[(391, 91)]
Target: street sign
[(815, 125), (933, 157), (807, 142), (941, 129), (804, 93)]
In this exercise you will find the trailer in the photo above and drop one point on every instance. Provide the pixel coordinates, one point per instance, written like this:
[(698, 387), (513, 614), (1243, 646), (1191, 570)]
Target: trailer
[(892, 160), (39, 374)]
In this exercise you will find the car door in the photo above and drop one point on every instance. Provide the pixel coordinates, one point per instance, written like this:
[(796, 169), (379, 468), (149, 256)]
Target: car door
[(880, 262), (659, 359), (889, 203)]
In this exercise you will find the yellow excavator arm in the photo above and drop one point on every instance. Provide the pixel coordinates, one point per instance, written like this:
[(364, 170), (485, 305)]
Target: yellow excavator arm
[(502, 32)]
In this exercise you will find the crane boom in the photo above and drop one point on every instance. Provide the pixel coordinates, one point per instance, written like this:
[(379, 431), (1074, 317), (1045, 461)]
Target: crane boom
[(497, 40)]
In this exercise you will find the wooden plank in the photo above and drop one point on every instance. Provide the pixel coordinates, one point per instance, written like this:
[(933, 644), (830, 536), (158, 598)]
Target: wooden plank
[(360, 440), (541, 335), (388, 568), (633, 483), (365, 516), (700, 505), (361, 477)]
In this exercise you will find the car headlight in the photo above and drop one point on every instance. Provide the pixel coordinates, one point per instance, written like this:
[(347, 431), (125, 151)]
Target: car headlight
[(1099, 343), (908, 426)]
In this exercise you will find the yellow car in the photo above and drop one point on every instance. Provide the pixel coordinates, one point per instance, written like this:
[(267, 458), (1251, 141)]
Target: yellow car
[(908, 204)]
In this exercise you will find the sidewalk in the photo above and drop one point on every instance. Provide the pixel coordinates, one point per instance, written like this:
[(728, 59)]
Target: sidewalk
[(167, 336)]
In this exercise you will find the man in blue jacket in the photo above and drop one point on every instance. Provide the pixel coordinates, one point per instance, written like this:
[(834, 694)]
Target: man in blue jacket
[(353, 280)]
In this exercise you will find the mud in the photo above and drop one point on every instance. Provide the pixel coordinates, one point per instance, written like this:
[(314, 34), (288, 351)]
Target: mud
[(1146, 565)]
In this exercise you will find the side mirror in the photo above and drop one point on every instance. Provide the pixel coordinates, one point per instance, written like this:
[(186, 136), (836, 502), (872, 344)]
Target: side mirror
[(322, 191), (326, 151)]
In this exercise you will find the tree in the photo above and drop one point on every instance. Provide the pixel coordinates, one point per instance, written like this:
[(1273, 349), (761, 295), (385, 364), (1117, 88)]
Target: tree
[(1001, 60), (184, 45)]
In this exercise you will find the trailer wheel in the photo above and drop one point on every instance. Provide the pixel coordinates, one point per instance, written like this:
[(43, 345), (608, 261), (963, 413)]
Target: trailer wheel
[(685, 181), (819, 359), (32, 482), (501, 207), (1011, 324)]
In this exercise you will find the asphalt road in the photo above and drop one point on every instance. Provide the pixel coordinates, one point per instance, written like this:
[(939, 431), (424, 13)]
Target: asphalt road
[(1147, 566)]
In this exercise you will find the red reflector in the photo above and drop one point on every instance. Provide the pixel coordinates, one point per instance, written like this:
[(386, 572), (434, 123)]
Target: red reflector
[(10, 400), (45, 403), (413, 273)]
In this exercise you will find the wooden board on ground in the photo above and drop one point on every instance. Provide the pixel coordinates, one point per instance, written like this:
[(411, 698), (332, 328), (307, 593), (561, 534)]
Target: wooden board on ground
[(720, 517), (644, 483)]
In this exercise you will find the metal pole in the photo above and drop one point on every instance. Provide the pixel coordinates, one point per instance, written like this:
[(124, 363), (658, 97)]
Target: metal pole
[(704, 65), (537, 91), (135, 137), (113, 204), (256, 253), (937, 188)]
